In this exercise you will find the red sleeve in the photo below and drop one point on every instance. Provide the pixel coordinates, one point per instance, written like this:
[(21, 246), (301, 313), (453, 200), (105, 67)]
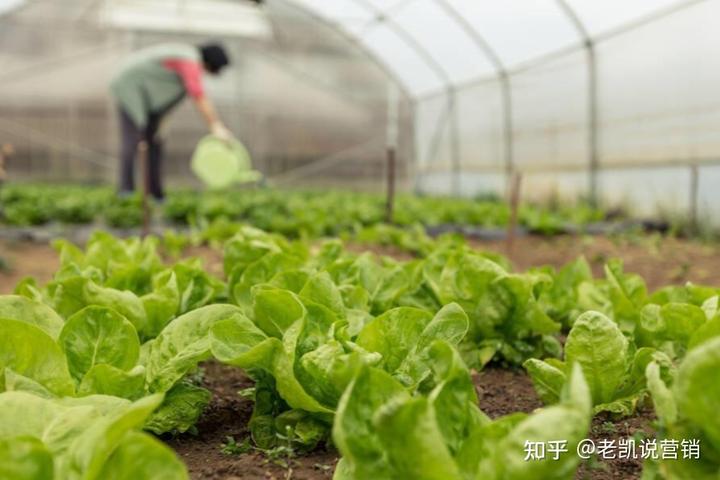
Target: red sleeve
[(191, 74)]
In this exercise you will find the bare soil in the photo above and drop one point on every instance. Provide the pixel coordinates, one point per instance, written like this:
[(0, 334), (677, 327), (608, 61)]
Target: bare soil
[(22, 259), (227, 416), (501, 392), (604, 427)]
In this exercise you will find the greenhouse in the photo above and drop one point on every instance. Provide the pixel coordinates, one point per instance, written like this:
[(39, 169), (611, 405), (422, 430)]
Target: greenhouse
[(359, 239)]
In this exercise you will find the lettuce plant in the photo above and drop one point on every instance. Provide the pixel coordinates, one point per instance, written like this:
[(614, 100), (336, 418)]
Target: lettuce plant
[(507, 319), (93, 437), (671, 320), (129, 277), (561, 299), (300, 350), (687, 410), (97, 351), (613, 367), (385, 432)]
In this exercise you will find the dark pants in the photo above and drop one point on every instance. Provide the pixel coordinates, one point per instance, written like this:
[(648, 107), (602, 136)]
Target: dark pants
[(131, 137)]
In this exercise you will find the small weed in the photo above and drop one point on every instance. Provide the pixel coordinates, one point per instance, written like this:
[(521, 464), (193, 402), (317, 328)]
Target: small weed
[(323, 467), (231, 447), (283, 454), (280, 455), (608, 428), (197, 377), (247, 392)]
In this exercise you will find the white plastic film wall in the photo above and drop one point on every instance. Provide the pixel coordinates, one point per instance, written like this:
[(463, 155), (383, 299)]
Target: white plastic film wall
[(651, 113)]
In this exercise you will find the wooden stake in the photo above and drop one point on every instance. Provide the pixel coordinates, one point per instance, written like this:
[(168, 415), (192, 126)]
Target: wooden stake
[(694, 188), (514, 199), (145, 168), (390, 202)]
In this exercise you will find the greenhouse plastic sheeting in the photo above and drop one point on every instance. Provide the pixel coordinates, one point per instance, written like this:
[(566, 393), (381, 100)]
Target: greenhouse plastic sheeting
[(573, 94), (578, 96), (516, 30)]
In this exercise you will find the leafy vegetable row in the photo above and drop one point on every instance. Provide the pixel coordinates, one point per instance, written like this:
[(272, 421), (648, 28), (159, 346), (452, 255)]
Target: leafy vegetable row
[(293, 213), (370, 347)]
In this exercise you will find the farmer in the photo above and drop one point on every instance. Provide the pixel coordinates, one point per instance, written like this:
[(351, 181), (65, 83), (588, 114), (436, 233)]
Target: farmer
[(148, 86)]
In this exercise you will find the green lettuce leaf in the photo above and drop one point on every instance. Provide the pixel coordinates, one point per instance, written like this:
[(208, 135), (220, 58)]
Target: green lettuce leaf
[(29, 351), (182, 345), (99, 335), (21, 309), (180, 410), (599, 347), (141, 457), (25, 458), (106, 379)]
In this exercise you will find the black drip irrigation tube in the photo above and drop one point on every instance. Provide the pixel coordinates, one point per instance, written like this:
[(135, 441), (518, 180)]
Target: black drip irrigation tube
[(79, 234), (596, 229)]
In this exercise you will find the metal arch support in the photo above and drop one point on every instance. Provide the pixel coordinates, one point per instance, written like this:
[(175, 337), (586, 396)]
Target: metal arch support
[(386, 69), (382, 16), (409, 39), (593, 122), (502, 74), (563, 51), (375, 59)]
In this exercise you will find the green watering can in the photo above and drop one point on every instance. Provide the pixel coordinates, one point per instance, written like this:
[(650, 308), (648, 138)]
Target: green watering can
[(220, 164)]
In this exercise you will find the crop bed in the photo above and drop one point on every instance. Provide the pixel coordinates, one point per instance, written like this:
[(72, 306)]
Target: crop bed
[(378, 357), (292, 213), (659, 260), (502, 391)]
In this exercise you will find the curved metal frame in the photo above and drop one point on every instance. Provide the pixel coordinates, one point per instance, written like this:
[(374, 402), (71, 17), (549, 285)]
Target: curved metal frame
[(501, 72), (379, 62), (503, 75), (383, 17), (592, 93)]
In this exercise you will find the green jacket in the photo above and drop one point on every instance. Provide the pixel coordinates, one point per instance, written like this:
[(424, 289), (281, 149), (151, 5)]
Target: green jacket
[(143, 85)]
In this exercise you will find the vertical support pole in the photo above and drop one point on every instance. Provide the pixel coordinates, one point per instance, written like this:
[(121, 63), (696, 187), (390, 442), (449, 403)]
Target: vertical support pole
[(694, 192), (509, 139), (514, 200), (390, 202), (393, 134), (593, 122), (72, 164), (436, 139), (111, 128), (491, 55), (6, 151), (145, 169), (454, 141), (413, 153)]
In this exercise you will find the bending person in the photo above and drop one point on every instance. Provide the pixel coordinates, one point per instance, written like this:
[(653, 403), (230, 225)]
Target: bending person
[(148, 86)]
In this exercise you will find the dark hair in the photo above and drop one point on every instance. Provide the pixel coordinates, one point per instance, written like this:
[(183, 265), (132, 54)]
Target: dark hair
[(214, 57)]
